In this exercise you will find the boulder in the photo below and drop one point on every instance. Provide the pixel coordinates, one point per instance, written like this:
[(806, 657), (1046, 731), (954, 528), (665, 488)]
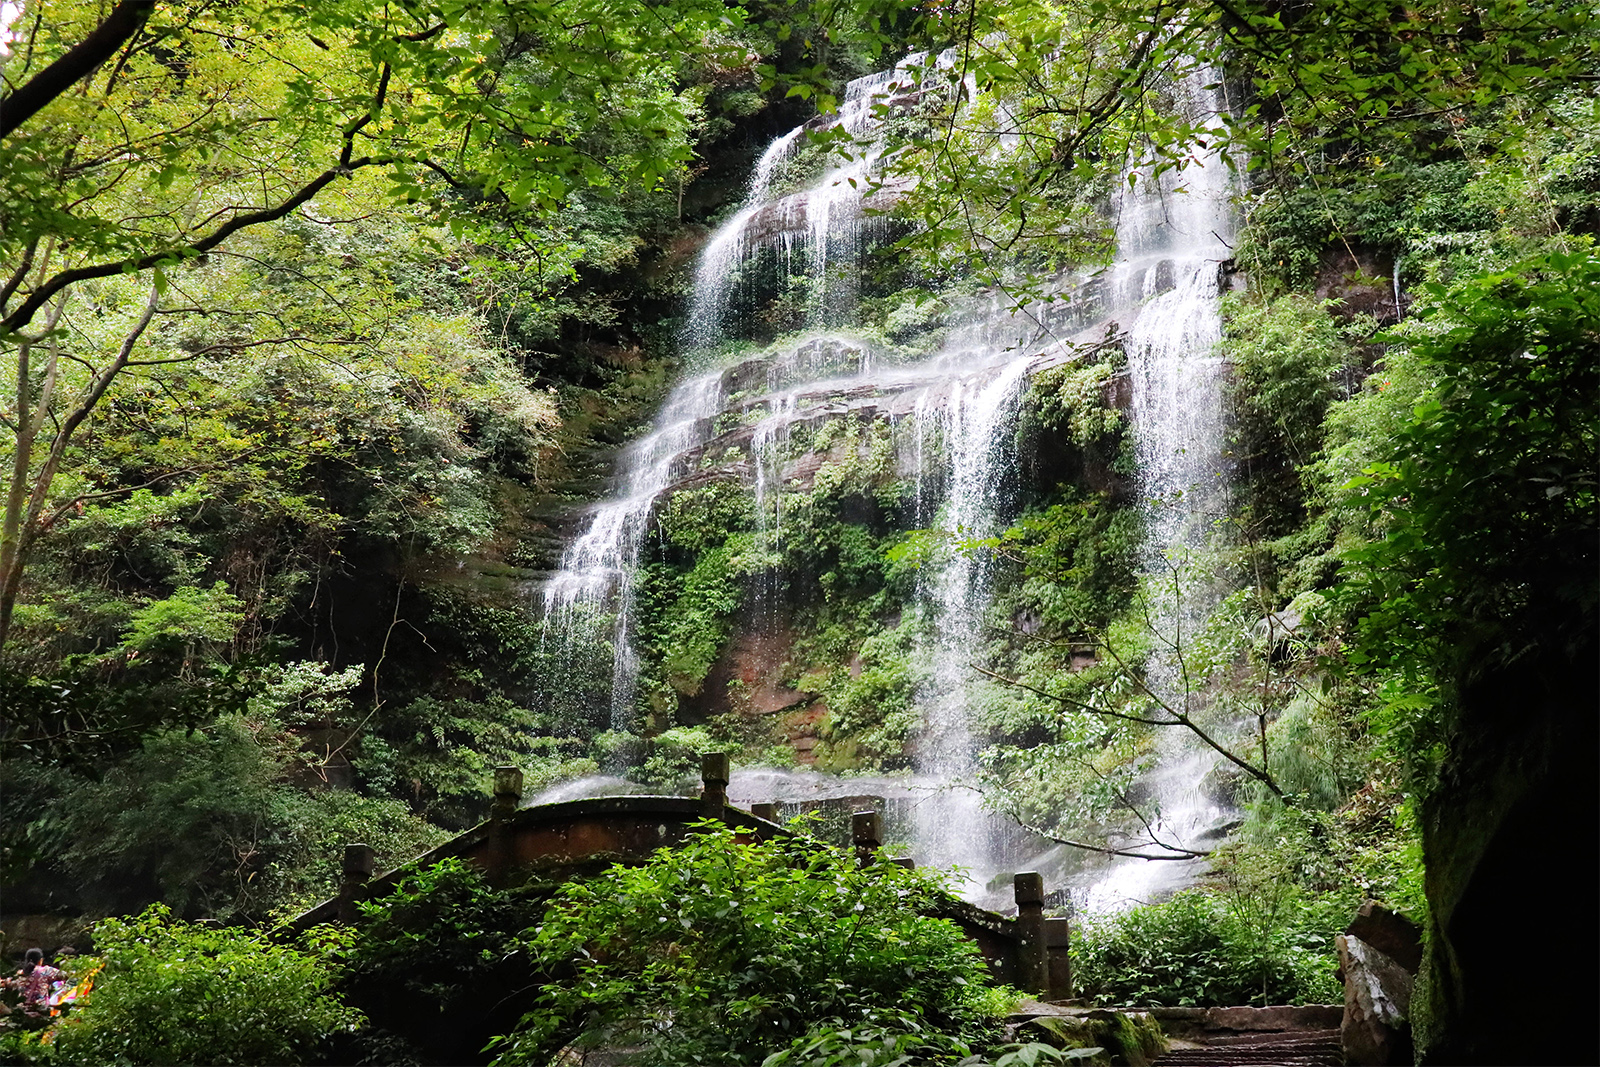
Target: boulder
[(1390, 933), (1117, 1038), (1376, 1030)]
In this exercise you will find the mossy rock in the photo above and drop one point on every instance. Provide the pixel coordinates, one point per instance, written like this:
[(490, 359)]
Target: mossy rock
[(1127, 1039)]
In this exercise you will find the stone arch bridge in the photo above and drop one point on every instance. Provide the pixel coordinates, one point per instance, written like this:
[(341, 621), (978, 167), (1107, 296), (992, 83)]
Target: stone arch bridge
[(576, 838)]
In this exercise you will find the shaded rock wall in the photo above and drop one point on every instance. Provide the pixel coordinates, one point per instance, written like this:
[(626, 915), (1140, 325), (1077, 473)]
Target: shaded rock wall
[(1510, 972)]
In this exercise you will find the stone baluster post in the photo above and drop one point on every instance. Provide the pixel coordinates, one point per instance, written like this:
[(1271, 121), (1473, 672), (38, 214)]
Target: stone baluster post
[(1033, 973), (714, 782), (768, 812), (866, 832), (1058, 949), (905, 861), (357, 871), (507, 792), (507, 797)]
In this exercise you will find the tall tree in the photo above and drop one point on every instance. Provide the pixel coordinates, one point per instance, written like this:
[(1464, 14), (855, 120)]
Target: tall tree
[(141, 138)]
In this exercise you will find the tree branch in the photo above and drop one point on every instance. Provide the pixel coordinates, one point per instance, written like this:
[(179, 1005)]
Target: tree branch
[(80, 61), (39, 297), (1017, 683), (19, 274), (1176, 854)]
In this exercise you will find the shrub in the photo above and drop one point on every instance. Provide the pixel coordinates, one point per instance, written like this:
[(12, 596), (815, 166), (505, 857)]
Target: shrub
[(723, 950), (428, 952), (1194, 950), (179, 993), (893, 1040)]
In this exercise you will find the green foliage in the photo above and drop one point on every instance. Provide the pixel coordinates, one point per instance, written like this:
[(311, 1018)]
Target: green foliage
[(431, 947), (875, 706), (1484, 498), (1313, 753), (189, 616), (1439, 218), (722, 949), (212, 821), (674, 755), (1079, 559), (1286, 355), (698, 519), (1197, 950), (190, 818), (439, 753), (585, 109), (28, 1046), (873, 1039), (1072, 398), (893, 1039), (179, 993)]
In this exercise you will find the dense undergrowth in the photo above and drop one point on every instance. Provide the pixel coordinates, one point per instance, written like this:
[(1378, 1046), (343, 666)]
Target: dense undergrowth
[(718, 951)]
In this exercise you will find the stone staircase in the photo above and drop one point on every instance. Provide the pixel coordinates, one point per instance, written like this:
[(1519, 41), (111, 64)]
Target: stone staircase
[(1293, 1048), (1280, 1036)]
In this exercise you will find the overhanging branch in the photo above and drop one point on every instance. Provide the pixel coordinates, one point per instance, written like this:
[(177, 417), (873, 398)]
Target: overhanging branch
[(78, 63), (42, 295)]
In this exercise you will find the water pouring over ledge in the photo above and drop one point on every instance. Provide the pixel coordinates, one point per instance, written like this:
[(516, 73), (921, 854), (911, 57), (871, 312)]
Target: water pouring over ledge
[(958, 403)]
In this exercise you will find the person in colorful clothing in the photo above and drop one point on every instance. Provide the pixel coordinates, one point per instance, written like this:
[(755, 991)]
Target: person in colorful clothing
[(37, 978)]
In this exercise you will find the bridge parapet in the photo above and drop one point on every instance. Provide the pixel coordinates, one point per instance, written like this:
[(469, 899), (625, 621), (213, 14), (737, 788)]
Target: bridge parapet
[(577, 837)]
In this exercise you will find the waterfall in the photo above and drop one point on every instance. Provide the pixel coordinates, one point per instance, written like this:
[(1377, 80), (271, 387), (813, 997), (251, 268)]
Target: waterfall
[(1173, 234), (597, 569), (953, 409)]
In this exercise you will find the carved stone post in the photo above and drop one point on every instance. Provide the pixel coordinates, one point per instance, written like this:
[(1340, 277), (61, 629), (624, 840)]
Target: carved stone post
[(507, 792), (1058, 949), (357, 871), (905, 861), (866, 832), (1033, 973), (768, 812), (714, 781)]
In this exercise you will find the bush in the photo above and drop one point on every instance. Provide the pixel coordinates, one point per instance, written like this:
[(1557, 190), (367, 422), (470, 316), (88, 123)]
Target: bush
[(180, 993), (1194, 950), (209, 821), (893, 1040), (724, 950), (427, 953)]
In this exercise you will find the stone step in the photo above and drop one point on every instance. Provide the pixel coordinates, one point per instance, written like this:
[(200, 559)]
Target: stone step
[(1280, 1039), (1304, 1048)]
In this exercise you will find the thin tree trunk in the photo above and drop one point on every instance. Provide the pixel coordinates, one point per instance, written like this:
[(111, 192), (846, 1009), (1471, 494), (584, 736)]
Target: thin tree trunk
[(78, 63), (25, 503)]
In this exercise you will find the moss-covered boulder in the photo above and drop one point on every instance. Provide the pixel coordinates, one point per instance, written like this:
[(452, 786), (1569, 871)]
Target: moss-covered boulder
[(1125, 1038)]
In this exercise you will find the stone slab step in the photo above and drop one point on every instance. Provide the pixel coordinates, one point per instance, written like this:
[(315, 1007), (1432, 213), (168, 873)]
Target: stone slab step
[(1306, 1048)]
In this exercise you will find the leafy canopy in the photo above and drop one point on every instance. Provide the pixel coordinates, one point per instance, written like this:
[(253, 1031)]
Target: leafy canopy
[(212, 119), (1485, 501)]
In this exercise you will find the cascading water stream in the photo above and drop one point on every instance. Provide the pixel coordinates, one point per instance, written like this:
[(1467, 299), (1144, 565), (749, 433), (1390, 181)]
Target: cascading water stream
[(961, 400), (1173, 234), (596, 571), (597, 568)]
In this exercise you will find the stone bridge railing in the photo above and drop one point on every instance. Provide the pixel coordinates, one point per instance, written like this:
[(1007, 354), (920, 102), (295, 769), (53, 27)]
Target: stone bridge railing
[(579, 837)]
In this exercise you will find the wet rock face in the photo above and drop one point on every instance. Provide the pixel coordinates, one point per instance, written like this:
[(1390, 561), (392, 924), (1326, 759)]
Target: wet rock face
[(1362, 279), (1376, 1029)]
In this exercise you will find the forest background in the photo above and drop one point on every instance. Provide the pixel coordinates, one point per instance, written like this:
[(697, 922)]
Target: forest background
[(317, 318)]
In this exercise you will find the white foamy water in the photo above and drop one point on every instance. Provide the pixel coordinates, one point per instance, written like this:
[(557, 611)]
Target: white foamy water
[(1173, 234)]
